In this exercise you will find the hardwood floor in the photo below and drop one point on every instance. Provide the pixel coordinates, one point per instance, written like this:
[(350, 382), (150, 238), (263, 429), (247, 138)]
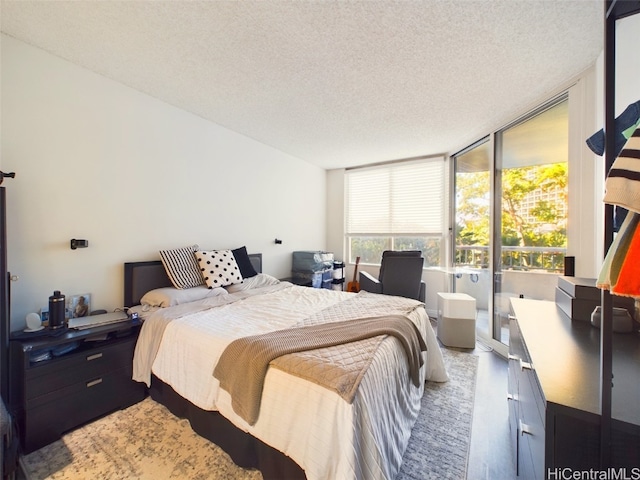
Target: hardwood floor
[(490, 455)]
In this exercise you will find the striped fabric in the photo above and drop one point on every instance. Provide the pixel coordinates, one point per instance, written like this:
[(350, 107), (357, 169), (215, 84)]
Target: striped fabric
[(623, 180), (182, 267)]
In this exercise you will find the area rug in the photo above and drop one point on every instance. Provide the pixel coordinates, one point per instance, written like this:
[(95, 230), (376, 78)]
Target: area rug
[(440, 440), (145, 441)]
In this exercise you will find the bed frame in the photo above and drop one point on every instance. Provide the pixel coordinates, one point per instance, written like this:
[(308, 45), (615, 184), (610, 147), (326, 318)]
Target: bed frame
[(140, 277), (245, 450)]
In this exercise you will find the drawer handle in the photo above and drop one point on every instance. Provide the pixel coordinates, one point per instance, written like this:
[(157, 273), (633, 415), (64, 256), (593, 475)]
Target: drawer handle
[(512, 317), (524, 428), (95, 356), (512, 396), (93, 383)]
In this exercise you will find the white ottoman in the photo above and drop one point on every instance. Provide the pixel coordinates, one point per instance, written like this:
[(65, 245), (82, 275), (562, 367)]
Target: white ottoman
[(457, 320)]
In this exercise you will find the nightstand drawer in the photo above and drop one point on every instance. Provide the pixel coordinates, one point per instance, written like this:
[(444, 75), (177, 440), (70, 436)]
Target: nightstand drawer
[(81, 367), (46, 420), (83, 387), (54, 396)]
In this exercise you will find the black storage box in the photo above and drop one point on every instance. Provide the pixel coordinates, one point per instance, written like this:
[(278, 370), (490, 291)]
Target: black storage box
[(578, 298)]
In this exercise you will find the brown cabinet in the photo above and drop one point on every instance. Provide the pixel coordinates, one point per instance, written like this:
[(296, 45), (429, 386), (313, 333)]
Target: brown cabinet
[(57, 394), (554, 392)]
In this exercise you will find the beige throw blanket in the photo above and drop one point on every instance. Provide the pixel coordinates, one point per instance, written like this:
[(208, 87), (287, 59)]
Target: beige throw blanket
[(252, 355), (339, 368)]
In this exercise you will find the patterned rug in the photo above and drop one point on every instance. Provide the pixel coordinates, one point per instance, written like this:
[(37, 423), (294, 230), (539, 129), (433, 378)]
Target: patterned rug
[(439, 445), (146, 442)]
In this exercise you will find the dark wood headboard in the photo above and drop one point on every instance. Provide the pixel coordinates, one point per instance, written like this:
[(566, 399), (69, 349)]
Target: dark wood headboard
[(140, 277)]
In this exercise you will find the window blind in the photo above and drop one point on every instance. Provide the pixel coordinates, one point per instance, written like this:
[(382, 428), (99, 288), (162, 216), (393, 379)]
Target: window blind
[(396, 199)]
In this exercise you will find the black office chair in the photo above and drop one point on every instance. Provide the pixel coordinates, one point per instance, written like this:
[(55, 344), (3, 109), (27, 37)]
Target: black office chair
[(400, 274)]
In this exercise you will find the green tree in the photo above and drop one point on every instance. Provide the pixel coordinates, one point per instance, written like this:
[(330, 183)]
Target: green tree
[(547, 222), (540, 225), (473, 208)]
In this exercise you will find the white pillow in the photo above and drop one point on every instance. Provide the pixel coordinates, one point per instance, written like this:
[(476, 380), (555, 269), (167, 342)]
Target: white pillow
[(169, 296), (260, 280), (218, 267)]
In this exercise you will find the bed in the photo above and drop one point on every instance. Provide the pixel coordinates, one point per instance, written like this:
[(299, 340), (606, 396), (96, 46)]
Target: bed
[(303, 429)]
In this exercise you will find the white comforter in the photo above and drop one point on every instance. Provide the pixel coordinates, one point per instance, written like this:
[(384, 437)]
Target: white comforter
[(326, 436)]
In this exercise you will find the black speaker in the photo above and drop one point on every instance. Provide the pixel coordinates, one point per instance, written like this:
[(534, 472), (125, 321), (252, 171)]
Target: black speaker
[(569, 266)]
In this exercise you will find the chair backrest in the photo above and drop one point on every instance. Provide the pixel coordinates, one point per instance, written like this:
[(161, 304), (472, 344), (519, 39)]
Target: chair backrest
[(393, 253), (401, 273)]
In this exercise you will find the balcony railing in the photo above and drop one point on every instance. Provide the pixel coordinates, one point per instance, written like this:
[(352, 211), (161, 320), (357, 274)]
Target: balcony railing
[(547, 259)]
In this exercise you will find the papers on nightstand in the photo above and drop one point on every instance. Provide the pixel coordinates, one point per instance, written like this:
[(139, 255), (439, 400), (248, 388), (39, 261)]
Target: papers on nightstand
[(95, 320)]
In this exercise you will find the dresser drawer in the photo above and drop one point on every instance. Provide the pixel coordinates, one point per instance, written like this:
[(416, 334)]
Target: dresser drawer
[(526, 416), (530, 393), (77, 368), (516, 342), (532, 424), (47, 418)]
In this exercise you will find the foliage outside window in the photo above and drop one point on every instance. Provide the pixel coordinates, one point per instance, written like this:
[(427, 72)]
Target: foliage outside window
[(397, 206), (534, 218)]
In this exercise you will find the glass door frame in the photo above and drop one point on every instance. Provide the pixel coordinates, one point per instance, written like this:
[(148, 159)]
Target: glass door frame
[(496, 217), (496, 244), (488, 336)]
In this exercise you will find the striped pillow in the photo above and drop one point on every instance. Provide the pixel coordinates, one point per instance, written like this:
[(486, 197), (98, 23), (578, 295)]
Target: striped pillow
[(181, 267)]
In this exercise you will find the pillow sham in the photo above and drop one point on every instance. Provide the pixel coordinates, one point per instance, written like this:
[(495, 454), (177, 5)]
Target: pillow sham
[(181, 267), (218, 268), (244, 263), (169, 296), (259, 280)]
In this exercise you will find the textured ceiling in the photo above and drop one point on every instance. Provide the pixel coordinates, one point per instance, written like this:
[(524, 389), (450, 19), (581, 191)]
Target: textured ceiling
[(336, 83)]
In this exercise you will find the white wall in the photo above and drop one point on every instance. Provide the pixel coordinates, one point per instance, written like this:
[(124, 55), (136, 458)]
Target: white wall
[(627, 62), (335, 214), (585, 181), (97, 160)]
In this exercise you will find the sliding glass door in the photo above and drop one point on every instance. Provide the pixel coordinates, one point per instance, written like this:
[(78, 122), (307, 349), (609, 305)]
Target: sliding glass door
[(531, 174), (510, 216), (472, 229)]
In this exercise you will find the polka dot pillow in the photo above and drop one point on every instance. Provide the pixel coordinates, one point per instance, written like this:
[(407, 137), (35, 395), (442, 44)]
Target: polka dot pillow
[(218, 267)]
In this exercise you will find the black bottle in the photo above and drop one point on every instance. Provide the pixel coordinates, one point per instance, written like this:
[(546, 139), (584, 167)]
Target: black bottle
[(56, 310)]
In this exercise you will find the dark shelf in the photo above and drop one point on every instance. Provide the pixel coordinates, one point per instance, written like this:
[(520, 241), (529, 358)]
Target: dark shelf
[(618, 9), (47, 338)]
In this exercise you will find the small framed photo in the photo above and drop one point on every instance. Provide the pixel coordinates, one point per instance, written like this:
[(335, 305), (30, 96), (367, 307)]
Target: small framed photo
[(79, 305), (44, 315)]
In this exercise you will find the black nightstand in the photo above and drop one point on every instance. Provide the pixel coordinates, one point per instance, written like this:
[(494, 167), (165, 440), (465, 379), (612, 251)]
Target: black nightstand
[(57, 394)]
